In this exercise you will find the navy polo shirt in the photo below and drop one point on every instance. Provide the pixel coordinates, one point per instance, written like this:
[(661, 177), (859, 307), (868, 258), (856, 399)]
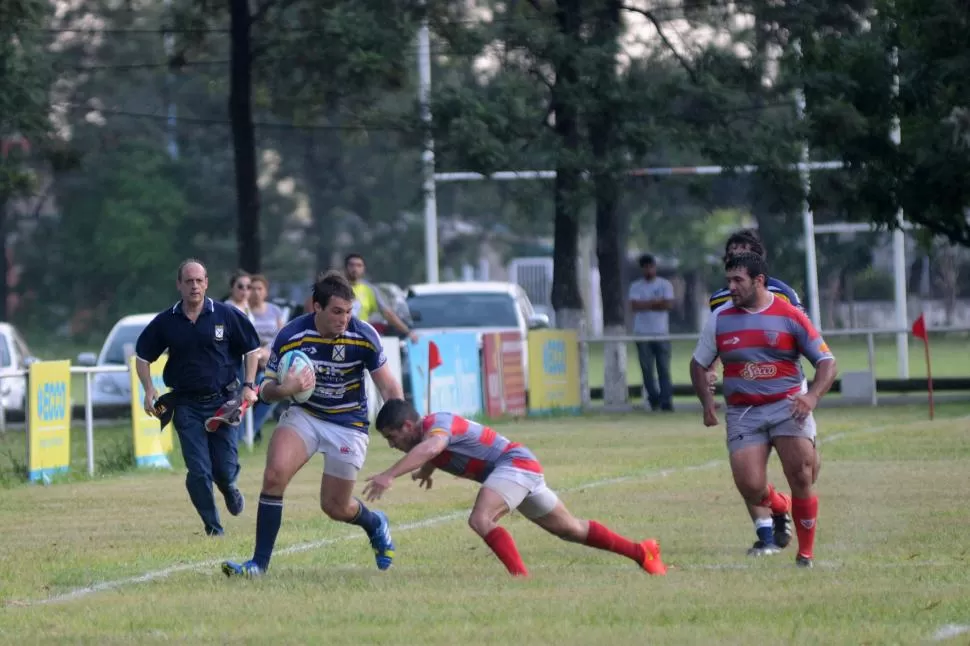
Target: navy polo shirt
[(204, 356)]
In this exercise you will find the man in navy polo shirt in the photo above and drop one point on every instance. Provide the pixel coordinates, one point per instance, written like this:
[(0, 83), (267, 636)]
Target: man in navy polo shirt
[(205, 340)]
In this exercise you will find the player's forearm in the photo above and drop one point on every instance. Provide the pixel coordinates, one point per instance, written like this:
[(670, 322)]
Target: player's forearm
[(825, 374), (388, 386), (416, 458), (271, 392), (144, 371), (396, 321), (252, 365), (698, 379)]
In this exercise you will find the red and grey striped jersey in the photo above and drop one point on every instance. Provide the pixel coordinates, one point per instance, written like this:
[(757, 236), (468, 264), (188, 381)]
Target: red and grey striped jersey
[(474, 450), (761, 351)]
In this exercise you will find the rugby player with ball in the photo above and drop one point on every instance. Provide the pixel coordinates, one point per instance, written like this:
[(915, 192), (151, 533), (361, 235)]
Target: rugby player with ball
[(318, 362)]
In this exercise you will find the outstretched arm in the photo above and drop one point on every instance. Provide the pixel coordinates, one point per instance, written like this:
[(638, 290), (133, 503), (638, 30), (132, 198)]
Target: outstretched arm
[(416, 457)]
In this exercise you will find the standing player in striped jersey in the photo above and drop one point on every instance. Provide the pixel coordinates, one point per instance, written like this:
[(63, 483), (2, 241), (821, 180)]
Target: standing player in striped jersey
[(748, 241), (511, 478), (333, 421), (760, 339)]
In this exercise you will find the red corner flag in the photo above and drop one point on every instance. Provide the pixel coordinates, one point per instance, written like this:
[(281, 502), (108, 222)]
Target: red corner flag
[(434, 360), (919, 331), (434, 356)]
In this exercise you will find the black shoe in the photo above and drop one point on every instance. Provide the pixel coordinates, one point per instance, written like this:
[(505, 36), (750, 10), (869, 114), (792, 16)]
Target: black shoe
[(760, 548), (804, 561), (235, 502), (782, 529)]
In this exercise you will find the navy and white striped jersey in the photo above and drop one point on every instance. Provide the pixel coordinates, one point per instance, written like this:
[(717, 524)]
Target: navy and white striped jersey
[(340, 396)]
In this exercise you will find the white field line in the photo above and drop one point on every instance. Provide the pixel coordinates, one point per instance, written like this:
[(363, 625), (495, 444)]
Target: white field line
[(77, 593), (949, 631)]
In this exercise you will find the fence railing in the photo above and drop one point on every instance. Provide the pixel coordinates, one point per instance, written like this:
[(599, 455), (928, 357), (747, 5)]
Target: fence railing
[(869, 334), (585, 342), (89, 372)]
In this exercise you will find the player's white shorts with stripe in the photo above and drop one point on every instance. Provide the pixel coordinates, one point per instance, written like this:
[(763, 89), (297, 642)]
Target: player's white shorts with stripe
[(344, 449), (522, 490)]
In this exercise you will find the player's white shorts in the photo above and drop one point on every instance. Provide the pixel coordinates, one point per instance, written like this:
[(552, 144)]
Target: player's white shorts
[(344, 449), (522, 490)]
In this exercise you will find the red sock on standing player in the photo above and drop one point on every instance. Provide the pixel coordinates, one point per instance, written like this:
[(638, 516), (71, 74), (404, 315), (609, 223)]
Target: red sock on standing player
[(804, 512), (504, 547)]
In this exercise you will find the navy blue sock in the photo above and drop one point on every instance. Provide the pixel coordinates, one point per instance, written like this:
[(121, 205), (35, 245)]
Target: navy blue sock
[(269, 516), (366, 519), (764, 527)]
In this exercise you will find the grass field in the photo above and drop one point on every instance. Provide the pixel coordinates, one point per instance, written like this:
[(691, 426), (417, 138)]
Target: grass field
[(121, 559)]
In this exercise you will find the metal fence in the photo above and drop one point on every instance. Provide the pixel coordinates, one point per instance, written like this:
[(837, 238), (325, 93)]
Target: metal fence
[(89, 408)]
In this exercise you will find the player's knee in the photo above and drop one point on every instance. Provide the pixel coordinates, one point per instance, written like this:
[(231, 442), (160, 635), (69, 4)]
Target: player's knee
[(480, 523), (274, 480), (800, 474)]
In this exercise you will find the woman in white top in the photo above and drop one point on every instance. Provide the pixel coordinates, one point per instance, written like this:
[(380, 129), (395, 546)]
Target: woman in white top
[(268, 320), (240, 284)]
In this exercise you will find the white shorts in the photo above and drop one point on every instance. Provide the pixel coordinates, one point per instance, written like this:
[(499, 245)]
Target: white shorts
[(344, 449), (522, 490)]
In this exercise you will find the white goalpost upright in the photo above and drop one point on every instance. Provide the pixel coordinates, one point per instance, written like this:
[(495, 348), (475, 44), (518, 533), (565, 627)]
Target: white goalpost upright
[(810, 229)]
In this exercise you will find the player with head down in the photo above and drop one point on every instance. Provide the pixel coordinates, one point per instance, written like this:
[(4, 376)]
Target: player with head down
[(511, 479), (333, 421)]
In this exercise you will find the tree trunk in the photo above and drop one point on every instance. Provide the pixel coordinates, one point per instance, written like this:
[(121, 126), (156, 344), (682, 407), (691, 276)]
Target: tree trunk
[(323, 174), (566, 298), (606, 192), (243, 136)]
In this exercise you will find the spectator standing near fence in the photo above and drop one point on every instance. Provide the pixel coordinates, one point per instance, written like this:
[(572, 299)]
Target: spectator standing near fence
[(206, 341), (268, 320), (651, 299)]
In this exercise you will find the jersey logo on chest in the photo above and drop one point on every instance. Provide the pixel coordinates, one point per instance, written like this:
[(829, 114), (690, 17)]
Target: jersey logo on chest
[(339, 352), (219, 331)]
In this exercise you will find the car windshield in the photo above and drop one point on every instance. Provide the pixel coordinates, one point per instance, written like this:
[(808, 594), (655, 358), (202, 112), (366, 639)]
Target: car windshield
[(127, 334), (462, 310)]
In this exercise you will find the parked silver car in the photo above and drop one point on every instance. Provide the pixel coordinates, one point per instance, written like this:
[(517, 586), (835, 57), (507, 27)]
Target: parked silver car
[(114, 388)]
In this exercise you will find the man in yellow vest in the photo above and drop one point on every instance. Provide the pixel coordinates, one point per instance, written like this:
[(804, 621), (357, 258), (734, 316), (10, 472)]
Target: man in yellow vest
[(367, 298)]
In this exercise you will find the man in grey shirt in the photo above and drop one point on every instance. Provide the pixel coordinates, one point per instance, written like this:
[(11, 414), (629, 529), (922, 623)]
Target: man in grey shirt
[(651, 299)]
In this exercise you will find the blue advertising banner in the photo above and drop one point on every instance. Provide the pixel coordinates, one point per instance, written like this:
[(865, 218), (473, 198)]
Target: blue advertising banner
[(456, 384)]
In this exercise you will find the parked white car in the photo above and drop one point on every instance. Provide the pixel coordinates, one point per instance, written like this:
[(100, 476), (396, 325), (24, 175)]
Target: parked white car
[(114, 388), (483, 307), (15, 356), (479, 306)]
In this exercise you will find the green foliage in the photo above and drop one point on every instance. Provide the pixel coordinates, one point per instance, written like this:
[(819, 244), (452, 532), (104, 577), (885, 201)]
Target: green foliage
[(116, 238), (25, 78)]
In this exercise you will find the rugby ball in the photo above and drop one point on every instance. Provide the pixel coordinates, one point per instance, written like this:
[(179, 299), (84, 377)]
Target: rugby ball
[(296, 361)]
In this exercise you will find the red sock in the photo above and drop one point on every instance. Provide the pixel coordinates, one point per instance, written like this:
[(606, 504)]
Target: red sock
[(778, 502), (804, 512), (504, 547), (602, 538)]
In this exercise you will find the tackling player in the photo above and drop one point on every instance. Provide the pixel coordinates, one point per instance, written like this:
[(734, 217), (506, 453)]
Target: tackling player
[(760, 339), (333, 421), (510, 476)]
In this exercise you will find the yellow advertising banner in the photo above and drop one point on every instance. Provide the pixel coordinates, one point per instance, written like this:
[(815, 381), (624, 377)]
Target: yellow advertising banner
[(553, 372), (49, 419), (152, 444)]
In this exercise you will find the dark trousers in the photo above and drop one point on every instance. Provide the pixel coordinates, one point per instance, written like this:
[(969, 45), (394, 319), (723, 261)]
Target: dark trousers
[(209, 458), (650, 353)]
